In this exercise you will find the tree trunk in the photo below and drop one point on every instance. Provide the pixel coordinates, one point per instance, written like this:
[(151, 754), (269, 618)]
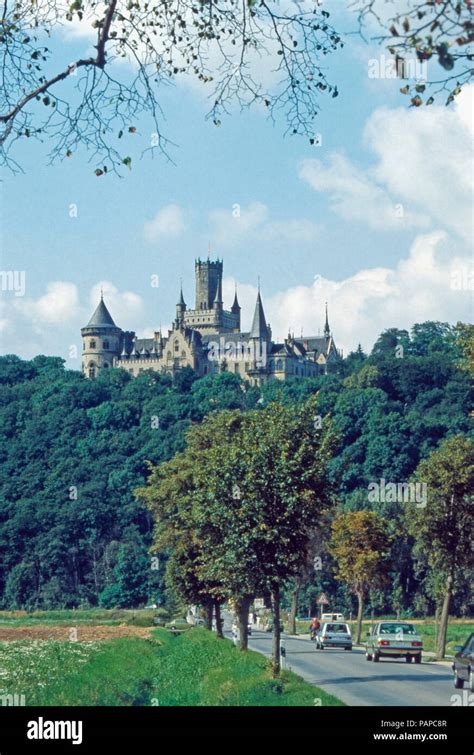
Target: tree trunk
[(443, 624), (360, 608), (242, 606), (276, 632), (208, 616), (294, 606), (217, 610)]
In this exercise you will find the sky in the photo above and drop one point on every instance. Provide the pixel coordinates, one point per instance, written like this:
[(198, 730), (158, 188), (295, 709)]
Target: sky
[(376, 220)]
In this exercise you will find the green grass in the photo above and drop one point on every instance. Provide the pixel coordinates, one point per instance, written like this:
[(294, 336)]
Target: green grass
[(458, 631), (51, 672), (198, 669), (71, 617), (194, 668)]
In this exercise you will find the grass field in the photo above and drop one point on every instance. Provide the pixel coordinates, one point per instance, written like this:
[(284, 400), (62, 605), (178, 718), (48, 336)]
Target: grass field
[(72, 618), (458, 631), (194, 668)]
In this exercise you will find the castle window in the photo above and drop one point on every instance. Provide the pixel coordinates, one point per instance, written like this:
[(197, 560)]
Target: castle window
[(279, 365), (176, 345), (106, 364), (183, 355), (92, 370), (92, 345), (106, 344)]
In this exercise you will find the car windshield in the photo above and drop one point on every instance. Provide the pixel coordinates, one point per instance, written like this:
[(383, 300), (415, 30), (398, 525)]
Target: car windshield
[(336, 628), (397, 629)]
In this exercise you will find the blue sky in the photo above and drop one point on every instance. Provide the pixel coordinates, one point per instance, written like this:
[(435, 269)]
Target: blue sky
[(315, 223)]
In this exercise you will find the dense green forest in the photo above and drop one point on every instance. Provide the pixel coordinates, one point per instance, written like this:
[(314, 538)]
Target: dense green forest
[(74, 451)]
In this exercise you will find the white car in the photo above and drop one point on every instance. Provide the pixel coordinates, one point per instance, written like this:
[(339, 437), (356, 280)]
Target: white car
[(334, 634)]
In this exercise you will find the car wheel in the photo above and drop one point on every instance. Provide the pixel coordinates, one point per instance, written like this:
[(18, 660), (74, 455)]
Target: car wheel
[(347, 648), (418, 658), (458, 683), (376, 658), (408, 659), (368, 657)]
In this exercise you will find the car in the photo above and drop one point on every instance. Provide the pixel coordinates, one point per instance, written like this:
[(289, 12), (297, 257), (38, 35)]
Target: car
[(393, 639), (463, 665), (335, 635), (332, 617)]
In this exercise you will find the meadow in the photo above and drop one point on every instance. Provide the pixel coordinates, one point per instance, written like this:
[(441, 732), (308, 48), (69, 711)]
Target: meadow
[(160, 669)]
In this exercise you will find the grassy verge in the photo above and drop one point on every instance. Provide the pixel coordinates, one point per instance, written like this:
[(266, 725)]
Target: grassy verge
[(198, 669), (71, 617), (194, 668), (118, 672), (458, 631)]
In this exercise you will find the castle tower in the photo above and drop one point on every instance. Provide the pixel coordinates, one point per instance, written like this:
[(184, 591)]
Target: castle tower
[(208, 282), (101, 341), (180, 309), (235, 309)]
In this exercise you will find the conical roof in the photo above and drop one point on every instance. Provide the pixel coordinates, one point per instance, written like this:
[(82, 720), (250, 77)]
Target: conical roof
[(181, 301), (101, 317), (235, 305), (259, 324)]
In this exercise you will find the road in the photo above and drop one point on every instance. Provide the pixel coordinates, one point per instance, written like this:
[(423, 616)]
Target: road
[(355, 681)]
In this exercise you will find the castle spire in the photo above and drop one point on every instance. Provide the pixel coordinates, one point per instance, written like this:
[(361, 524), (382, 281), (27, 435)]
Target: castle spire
[(259, 324), (181, 301), (235, 306), (327, 331)]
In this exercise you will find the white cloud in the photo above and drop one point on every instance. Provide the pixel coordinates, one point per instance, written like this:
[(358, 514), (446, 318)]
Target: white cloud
[(60, 304), (354, 195), (168, 223), (425, 159), (126, 308), (424, 164), (420, 287), (232, 226)]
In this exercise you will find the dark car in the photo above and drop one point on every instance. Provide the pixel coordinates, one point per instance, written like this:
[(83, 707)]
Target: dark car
[(463, 666)]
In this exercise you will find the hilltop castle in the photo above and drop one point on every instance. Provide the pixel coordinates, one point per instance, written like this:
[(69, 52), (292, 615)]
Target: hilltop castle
[(207, 338)]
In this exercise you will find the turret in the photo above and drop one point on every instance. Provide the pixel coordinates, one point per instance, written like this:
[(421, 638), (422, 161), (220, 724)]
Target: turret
[(101, 341), (235, 309), (180, 309)]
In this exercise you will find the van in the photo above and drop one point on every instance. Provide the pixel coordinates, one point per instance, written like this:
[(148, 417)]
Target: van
[(332, 617)]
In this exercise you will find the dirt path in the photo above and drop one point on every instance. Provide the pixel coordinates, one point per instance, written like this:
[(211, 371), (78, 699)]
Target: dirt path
[(82, 633)]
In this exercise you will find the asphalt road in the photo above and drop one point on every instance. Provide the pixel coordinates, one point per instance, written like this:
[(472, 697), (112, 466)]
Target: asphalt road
[(355, 681)]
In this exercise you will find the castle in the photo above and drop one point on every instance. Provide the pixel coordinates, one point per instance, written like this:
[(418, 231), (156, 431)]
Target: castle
[(207, 338)]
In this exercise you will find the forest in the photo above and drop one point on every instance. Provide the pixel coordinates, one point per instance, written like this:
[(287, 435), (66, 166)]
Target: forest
[(78, 515)]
